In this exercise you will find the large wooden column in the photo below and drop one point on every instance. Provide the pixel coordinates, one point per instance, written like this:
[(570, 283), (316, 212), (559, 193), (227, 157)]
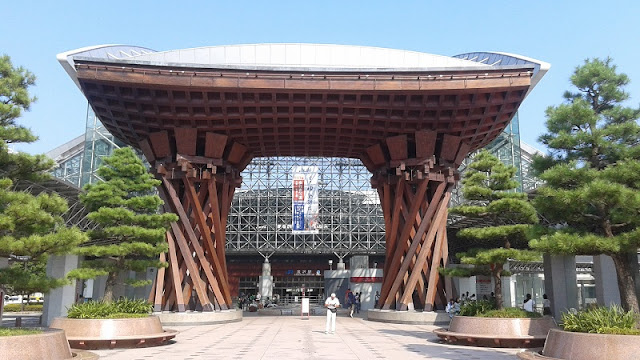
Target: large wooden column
[(414, 175), (198, 187)]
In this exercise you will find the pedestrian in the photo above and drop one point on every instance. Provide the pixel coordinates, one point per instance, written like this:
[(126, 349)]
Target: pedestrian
[(546, 305), (528, 303), (453, 308), (377, 298), (332, 304), (358, 303), (351, 303)]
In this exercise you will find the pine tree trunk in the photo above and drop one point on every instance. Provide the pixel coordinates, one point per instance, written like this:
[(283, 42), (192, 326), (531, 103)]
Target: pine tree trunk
[(626, 281), (498, 286), (111, 283)]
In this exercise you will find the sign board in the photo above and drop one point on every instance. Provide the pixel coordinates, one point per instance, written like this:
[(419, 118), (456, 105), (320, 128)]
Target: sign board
[(483, 285), (304, 200), (305, 307)]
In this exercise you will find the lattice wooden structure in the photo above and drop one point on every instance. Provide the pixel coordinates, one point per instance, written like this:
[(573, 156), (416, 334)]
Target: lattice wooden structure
[(414, 179), (199, 128)]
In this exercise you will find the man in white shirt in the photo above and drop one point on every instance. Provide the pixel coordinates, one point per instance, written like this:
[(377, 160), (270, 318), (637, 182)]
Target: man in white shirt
[(332, 304)]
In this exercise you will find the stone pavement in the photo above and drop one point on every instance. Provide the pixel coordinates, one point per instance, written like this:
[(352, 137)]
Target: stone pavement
[(290, 337)]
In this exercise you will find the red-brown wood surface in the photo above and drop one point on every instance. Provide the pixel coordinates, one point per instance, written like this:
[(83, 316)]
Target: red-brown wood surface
[(199, 128)]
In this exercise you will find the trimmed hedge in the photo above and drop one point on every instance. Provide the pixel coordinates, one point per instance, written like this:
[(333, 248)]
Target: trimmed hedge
[(510, 313), (123, 308), (17, 308), (18, 331), (602, 320)]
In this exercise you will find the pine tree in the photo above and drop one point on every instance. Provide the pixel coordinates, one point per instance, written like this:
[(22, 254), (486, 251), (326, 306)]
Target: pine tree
[(592, 174), (31, 227), (131, 232), (488, 186)]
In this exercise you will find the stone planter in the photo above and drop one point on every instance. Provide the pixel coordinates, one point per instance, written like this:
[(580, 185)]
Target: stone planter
[(565, 345), (112, 333), (51, 344), (497, 332)]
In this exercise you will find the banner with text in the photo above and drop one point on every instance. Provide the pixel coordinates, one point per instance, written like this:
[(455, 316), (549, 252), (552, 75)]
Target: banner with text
[(305, 200)]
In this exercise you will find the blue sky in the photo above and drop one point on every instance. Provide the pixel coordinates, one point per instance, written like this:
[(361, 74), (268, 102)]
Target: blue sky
[(562, 33)]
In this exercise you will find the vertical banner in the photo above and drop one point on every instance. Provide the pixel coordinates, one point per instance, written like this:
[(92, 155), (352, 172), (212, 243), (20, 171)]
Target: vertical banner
[(304, 199)]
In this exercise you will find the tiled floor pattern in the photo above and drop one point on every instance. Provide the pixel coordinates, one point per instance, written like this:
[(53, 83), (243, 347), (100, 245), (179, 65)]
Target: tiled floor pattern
[(289, 338)]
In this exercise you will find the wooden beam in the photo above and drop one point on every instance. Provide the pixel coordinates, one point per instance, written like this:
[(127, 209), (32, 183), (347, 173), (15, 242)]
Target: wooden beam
[(159, 285), (186, 139), (182, 215), (425, 143), (219, 227), (397, 146), (175, 275), (404, 236), (205, 232), (214, 145), (145, 147), (422, 256), (376, 154), (449, 147), (435, 264), (237, 153), (160, 144)]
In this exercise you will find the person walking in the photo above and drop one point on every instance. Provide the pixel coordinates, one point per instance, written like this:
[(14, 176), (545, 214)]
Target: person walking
[(377, 298), (351, 302), (332, 304), (528, 303), (358, 303), (546, 305)]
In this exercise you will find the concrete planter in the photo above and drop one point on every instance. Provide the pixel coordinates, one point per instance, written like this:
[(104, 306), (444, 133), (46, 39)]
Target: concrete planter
[(565, 345), (51, 344), (112, 333), (497, 332)]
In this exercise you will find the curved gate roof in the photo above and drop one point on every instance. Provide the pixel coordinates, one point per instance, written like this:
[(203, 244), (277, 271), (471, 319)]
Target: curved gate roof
[(301, 99)]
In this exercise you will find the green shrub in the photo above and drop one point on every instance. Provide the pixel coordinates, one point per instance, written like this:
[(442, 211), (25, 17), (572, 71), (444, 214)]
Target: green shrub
[(16, 332), (602, 320), (16, 307), (509, 313), (472, 308), (122, 308)]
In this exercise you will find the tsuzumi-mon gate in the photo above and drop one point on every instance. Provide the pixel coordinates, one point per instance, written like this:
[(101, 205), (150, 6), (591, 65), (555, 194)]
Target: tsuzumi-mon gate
[(201, 115)]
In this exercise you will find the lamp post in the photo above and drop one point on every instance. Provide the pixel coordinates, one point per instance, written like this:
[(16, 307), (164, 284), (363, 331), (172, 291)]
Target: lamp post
[(330, 264)]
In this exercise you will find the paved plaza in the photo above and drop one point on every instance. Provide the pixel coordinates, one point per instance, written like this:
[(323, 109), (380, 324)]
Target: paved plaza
[(290, 337)]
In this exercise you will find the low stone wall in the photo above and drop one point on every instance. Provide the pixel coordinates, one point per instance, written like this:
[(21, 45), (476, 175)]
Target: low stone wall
[(51, 344), (497, 332), (408, 317), (112, 333), (582, 346), (199, 318)]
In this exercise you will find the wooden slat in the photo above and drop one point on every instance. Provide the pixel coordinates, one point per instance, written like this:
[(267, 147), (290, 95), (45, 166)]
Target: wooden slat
[(218, 226), (160, 144), (425, 143), (159, 285), (214, 145), (186, 139), (397, 146), (435, 264), (175, 275), (376, 154)]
